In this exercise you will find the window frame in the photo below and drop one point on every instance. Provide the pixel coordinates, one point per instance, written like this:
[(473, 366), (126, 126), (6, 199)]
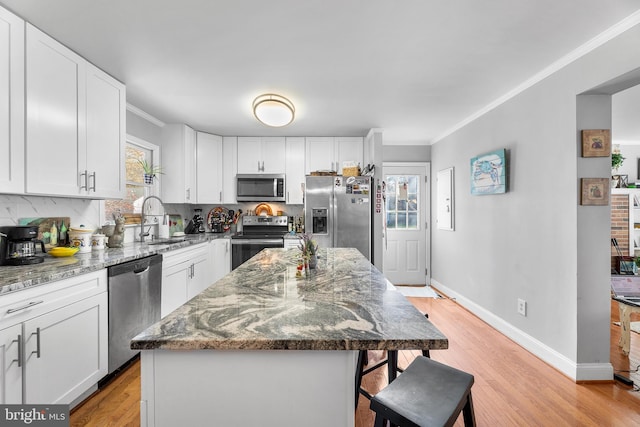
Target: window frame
[(151, 189)]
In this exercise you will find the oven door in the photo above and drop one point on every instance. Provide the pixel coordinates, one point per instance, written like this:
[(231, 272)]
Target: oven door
[(243, 249)]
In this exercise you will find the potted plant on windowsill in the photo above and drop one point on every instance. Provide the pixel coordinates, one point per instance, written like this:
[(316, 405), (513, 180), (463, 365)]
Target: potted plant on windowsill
[(150, 171)]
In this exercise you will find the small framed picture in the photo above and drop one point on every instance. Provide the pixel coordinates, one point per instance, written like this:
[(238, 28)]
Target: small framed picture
[(596, 143), (595, 191)]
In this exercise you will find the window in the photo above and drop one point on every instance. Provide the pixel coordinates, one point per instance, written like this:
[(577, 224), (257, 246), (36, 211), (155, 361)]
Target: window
[(136, 150), (402, 201)]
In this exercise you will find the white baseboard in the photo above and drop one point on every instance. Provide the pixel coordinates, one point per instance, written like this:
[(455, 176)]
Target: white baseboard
[(575, 371)]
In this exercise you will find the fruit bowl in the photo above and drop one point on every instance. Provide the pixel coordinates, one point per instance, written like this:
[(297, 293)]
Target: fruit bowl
[(62, 251)]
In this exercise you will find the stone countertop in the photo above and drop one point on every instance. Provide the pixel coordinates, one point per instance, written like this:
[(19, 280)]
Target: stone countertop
[(344, 304), (16, 278)]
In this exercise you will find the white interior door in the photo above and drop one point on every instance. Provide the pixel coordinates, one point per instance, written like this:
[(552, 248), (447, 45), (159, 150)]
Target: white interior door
[(407, 207)]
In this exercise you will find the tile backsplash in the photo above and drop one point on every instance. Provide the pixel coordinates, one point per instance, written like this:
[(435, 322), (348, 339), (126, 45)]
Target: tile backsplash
[(90, 212), (81, 211)]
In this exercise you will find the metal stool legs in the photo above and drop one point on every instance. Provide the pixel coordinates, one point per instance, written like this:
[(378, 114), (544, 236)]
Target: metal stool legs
[(392, 368)]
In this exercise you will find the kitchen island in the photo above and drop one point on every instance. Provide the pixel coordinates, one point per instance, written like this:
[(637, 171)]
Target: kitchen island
[(264, 347)]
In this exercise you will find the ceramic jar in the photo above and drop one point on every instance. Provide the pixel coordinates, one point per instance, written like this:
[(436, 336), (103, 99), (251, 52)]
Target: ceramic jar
[(97, 242), (80, 237)]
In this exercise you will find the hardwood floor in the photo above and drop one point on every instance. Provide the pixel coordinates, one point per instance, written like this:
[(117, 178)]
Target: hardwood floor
[(512, 387)]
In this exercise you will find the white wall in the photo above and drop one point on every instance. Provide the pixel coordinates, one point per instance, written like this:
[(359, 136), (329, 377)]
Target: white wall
[(524, 244)]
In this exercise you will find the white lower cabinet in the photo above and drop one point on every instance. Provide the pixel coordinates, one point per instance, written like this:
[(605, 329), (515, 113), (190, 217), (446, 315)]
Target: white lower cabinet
[(54, 340), (11, 358), (291, 243), (221, 256), (62, 351), (185, 273)]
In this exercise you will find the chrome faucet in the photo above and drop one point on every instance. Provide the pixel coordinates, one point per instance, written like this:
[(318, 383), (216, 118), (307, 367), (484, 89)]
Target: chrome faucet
[(143, 217)]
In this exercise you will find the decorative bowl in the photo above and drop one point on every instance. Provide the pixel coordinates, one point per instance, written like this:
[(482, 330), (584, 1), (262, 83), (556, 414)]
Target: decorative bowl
[(63, 251)]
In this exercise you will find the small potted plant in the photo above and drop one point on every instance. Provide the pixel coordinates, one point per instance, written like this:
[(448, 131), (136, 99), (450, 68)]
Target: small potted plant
[(616, 161), (309, 250), (150, 171)]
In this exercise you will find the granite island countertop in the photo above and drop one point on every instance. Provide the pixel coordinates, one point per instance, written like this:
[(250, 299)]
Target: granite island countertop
[(16, 278), (344, 304)]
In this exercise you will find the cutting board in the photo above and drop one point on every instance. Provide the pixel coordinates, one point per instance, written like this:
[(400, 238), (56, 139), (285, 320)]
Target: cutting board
[(44, 226)]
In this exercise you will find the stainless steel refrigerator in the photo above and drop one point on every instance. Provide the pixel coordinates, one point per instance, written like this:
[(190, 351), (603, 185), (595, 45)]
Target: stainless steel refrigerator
[(337, 211)]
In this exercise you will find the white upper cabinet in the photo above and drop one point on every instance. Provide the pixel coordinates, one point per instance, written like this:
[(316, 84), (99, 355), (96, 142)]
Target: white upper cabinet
[(55, 85), (229, 168), (348, 149), (11, 103), (178, 164), (209, 168), (328, 153), (295, 170), (261, 155), (75, 123), (106, 133), (319, 154)]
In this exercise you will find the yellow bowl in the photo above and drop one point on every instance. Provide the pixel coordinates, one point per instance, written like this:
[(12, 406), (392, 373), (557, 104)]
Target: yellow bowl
[(62, 252)]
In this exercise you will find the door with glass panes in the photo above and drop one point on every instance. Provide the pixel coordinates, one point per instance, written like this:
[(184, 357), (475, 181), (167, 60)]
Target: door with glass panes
[(406, 236)]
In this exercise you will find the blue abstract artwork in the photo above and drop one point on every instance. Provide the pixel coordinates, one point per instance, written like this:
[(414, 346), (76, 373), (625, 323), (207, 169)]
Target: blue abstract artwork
[(488, 173)]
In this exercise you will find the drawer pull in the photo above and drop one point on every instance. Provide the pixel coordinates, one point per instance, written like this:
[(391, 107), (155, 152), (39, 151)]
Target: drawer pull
[(31, 304)]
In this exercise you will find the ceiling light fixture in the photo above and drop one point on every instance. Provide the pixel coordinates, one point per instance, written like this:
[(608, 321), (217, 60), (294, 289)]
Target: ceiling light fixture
[(273, 110)]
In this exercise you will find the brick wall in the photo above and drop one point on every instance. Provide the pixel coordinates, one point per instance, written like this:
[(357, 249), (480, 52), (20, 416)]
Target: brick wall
[(620, 224)]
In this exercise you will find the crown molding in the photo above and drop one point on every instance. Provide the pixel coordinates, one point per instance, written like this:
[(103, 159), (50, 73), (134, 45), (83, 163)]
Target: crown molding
[(148, 117)]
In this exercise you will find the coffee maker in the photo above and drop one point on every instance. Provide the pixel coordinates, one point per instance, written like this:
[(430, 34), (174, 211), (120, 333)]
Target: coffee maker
[(20, 245)]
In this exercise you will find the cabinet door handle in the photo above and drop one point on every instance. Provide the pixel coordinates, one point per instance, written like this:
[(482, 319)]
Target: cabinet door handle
[(221, 197), (93, 175), (83, 174), (188, 194), (30, 304), (37, 351), (19, 360)]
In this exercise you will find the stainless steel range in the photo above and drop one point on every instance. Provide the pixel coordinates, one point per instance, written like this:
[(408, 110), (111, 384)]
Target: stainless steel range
[(258, 233)]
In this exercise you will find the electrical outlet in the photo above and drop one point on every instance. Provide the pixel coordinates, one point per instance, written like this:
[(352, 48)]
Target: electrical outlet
[(522, 307)]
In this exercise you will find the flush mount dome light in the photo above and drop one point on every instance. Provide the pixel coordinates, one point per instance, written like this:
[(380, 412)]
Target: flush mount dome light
[(273, 110)]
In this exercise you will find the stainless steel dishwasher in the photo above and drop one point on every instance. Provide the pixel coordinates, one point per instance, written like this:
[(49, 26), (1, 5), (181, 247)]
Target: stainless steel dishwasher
[(134, 304)]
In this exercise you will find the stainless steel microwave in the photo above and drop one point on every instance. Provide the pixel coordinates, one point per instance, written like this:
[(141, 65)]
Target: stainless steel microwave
[(260, 188)]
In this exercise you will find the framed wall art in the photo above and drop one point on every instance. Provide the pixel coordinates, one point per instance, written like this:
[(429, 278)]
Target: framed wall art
[(595, 191), (488, 173), (596, 143)]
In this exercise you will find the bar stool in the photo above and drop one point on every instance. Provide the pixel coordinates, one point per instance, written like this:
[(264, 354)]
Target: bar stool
[(392, 368), (427, 394)]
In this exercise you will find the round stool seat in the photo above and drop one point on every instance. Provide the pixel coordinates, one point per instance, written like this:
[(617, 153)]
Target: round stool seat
[(428, 393)]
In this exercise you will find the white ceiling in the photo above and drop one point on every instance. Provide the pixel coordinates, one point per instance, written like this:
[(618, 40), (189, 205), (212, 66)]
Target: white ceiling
[(414, 68)]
